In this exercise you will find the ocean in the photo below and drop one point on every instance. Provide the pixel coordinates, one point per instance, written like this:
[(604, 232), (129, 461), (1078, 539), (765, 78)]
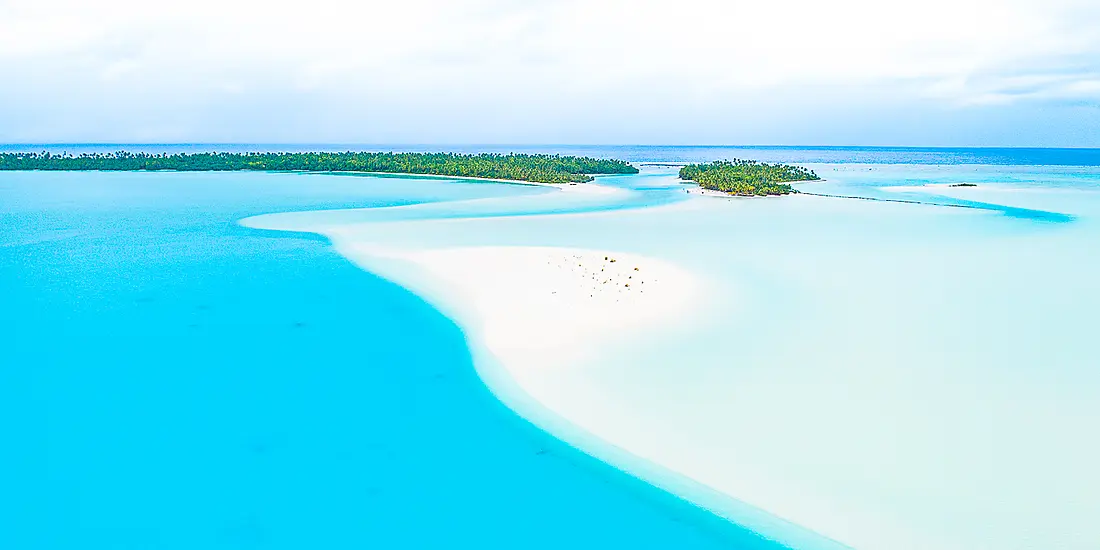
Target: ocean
[(177, 380)]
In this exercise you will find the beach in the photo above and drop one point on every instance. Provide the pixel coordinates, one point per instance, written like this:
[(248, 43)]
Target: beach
[(540, 305)]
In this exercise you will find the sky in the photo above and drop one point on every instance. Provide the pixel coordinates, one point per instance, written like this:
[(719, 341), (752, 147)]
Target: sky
[(735, 72)]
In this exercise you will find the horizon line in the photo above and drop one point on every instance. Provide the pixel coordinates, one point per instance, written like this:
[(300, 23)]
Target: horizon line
[(640, 145)]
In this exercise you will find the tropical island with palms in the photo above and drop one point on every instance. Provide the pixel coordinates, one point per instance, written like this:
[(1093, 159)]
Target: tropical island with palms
[(747, 177), (735, 176), (536, 168)]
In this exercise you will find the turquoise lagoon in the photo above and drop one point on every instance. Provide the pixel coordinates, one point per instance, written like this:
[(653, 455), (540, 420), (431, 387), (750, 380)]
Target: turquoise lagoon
[(882, 374), (173, 380)]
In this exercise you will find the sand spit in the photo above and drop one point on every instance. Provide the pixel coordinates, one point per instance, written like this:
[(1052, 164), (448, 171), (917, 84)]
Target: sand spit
[(531, 313), (537, 307)]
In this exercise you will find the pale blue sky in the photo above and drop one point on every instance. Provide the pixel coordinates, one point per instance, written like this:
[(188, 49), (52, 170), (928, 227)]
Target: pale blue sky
[(845, 72)]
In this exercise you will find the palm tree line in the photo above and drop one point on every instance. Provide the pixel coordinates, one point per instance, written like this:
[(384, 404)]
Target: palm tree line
[(746, 177), (538, 168)]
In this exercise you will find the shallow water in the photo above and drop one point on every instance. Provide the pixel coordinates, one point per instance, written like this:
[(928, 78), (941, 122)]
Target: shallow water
[(174, 380), (891, 375)]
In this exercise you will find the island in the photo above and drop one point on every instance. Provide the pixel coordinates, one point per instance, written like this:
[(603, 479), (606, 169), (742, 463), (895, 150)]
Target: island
[(746, 177), (536, 168)]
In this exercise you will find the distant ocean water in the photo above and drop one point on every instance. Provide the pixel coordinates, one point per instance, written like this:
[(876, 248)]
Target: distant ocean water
[(185, 382), (658, 153)]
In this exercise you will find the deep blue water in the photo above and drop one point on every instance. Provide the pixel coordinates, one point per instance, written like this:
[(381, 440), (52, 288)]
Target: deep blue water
[(171, 380)]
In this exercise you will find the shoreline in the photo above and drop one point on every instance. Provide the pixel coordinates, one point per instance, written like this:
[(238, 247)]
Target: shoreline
[(495, 293), (439, 176), (699, 190), (528, 311), (410, 175)]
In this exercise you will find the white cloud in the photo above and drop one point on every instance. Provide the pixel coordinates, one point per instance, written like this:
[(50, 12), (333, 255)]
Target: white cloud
[(386, 67)]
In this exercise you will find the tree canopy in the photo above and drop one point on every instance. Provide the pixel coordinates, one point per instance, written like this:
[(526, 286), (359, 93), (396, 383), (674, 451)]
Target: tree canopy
[(522, 167), (746, 177)]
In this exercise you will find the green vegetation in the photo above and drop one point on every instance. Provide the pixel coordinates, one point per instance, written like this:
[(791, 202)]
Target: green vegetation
[(746, 177), (533, 168)]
